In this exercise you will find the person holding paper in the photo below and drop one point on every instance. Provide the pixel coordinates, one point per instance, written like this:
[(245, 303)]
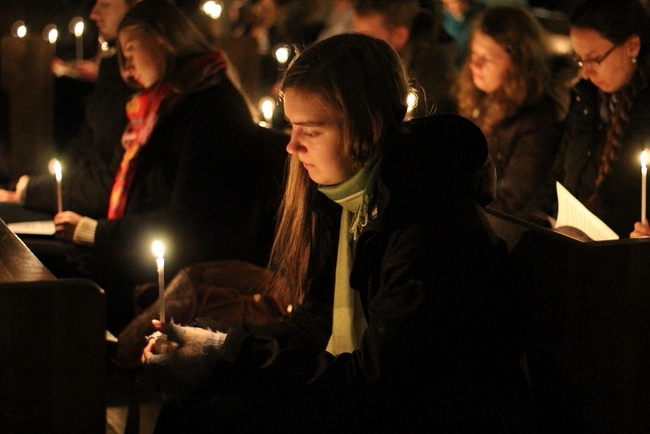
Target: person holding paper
[(609, 122), (396, 322), (506, 88)]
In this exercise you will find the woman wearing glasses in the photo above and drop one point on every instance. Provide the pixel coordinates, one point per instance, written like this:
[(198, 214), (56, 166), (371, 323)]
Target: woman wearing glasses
[(609, 121)]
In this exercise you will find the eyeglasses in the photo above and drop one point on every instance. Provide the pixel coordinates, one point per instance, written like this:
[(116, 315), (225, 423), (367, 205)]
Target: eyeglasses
[(591, 62)]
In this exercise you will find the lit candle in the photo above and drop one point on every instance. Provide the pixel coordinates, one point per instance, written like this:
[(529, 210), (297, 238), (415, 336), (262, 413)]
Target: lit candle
[(411, 103), (159, 252), (59, 194), (644, 178), (19, 29), (78, 33), (282, 53), (267, 107)]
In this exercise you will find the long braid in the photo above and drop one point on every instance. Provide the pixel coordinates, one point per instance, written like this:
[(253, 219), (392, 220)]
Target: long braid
[(618, 120)]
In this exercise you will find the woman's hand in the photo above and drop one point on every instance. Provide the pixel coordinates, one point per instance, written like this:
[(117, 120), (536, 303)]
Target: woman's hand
[(19, 194), (65, 223), (8, 196), (641, 230), (185, 358)]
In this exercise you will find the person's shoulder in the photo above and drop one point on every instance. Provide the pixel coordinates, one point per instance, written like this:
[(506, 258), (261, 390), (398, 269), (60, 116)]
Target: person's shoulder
[(439, 148), (450, 136), (545, 109)]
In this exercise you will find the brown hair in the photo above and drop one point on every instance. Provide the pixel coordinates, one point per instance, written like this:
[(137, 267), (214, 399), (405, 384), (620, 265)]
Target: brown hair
[(522, 36), (616, 22), (363, 80), (181, 38)]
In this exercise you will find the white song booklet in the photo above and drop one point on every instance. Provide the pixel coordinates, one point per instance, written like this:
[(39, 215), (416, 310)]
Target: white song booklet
[(45, 227), (571, 212)]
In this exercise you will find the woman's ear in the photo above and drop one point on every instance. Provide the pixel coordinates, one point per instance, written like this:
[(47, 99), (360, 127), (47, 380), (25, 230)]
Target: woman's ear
[(633, 46)]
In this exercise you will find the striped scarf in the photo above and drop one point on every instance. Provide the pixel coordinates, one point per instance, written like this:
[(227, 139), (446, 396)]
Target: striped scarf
[(142, 111)]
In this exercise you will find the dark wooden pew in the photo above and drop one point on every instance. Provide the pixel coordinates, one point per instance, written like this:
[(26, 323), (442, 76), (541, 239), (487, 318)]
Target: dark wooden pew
[(52, 347), (588, 346)]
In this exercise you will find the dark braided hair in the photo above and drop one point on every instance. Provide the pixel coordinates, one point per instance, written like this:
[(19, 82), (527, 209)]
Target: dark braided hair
[(616, 22)]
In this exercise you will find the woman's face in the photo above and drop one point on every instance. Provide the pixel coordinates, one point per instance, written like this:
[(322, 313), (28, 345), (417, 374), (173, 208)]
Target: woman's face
[(144, 55), (607, 65), (489, 62), (316, 137)]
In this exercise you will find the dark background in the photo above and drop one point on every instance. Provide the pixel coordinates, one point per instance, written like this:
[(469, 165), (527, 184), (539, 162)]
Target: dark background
[(37, 14)]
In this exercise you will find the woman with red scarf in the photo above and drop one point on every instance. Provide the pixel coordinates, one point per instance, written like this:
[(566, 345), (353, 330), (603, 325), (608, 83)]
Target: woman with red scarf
[(197, 172)]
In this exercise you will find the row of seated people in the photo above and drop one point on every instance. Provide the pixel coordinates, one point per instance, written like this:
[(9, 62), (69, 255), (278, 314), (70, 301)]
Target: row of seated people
[(195, 169), (546, 117), (529, 100)]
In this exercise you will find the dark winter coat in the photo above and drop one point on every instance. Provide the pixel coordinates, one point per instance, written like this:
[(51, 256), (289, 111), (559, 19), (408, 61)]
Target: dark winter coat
[(523, 148), (438, 355), (207, 184), (94, 155)]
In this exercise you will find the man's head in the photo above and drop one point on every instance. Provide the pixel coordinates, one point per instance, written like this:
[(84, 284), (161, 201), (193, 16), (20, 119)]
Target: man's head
[(389, 20), (107, 14)]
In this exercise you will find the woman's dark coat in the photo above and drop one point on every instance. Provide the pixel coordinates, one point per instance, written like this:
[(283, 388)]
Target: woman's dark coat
[(208, 183), (523, 148), (438, 354)]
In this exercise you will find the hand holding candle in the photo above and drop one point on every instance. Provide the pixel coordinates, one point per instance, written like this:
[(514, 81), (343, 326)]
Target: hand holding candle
[(644, 179), (159, 252)]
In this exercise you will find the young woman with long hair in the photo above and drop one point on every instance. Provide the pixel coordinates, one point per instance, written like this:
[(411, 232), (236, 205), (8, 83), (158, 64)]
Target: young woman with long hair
[(397, 321)]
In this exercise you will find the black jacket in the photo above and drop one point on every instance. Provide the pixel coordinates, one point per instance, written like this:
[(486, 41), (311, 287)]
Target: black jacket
[(577, 163), (207, 184), (93, 157), (523, 147), (438, 354)]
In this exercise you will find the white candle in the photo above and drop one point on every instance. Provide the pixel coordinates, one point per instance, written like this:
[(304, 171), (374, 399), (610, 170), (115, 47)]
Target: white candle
[(644, 180), (59, 194), (78, 33), (158, 250)]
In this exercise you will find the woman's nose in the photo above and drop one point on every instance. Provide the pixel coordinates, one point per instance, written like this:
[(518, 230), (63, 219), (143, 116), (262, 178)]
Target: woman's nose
[(293, 146)]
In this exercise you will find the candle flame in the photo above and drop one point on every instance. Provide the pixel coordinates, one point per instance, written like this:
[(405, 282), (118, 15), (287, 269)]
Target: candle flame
[(282, 53), (644, 159), (79, 28), (212, 9), (158, 249), (267, 106), (57, 169)]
